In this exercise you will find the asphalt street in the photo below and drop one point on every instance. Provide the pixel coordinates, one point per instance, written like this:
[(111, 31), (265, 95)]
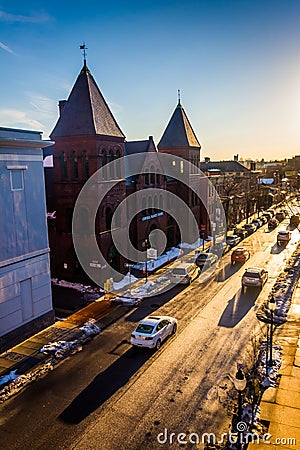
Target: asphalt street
[(112, 396)]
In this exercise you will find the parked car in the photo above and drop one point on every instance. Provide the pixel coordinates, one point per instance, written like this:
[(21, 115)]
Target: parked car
[(220, 248), (257, 222), (263, 219), (280, 216), (271, 211), (268, 215), (294, 220), (272, 224), (184, 273), (255, 277), (233, 240), (153, 330), (206, 258), (250, 228), (283, 237), (240, 255), (241, 232)]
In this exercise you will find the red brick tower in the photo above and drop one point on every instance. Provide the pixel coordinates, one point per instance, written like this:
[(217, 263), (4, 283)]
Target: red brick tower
[(86, 137)]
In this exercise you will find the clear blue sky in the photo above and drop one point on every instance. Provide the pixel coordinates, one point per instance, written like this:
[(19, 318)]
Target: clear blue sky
[(237, 64)]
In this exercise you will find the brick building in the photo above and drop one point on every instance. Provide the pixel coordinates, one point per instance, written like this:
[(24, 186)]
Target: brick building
[(87, 138)]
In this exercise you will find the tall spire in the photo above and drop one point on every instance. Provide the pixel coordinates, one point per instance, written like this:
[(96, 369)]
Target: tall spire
[(84, 48)]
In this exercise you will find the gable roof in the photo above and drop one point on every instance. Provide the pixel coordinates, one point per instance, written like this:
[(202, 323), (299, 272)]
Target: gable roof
[(223, 166), (133, 148), (86, 112), (179, 132)]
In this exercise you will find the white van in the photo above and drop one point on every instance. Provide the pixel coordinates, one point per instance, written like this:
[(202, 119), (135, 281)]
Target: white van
[(184, 273)]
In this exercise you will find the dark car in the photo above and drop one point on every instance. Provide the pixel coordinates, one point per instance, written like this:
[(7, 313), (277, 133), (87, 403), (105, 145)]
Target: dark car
[(250, 228), (240, 255), (280, 216), (272, 224), (233, 240), (268, 215), (263, 219), (220, 248), (207, 258), (257, 222), (241, 232)]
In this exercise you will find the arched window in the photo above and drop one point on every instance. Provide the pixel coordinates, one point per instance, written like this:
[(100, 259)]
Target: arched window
[(150, 204), (155, 202), (146, 177), (103, 163), (111, 166), (74, 165), (152, 175), (64, 169), (108, 217), (85, 165), (161, 204), (117, 217), (157, 179), (144, 206), (118, 165)]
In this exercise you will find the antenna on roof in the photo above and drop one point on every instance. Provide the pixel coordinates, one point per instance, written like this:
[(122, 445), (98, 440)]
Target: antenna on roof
[(84, 48), (178, 93)]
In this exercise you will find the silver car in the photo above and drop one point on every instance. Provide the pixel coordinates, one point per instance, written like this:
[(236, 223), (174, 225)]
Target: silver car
[(153, 330), (255, 277)]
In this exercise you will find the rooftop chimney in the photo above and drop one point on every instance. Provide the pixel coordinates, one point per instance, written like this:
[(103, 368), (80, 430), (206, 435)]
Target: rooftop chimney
[(235, 157), (207, 159)]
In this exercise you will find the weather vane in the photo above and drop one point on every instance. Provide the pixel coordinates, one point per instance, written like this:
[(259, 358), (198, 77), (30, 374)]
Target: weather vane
[(84, 48), (178, 96)]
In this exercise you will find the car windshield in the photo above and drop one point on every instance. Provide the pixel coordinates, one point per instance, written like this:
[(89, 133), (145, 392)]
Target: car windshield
[(179, 271), (144, 328), (251, 274), (203, 257)]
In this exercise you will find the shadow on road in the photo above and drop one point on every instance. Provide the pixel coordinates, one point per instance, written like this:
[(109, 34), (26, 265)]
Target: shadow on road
[(238, 306), (276, 249), (149, 305), (227, 271), (105, 385)]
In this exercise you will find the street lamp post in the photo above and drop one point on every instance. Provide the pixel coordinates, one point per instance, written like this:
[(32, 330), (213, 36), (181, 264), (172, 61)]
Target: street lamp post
[(272, 307), (240, 383), (146, 245)]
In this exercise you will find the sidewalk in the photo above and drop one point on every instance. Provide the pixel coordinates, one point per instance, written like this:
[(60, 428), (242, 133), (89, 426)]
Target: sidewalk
[(27, 356), (280, 406)]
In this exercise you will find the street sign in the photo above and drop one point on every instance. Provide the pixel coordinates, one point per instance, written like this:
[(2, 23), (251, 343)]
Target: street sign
[(128, 265), (151, 253)]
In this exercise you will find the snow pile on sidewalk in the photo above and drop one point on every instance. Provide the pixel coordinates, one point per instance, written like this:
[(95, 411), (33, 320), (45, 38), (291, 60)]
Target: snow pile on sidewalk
[(127, 280), (9, 377), (282, 291), (77, 286), (129, 301), (56, 351), (268, 375)]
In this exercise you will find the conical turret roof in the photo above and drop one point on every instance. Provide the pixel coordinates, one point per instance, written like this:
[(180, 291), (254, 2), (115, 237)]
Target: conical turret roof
[(86, 112), (179, 132)]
